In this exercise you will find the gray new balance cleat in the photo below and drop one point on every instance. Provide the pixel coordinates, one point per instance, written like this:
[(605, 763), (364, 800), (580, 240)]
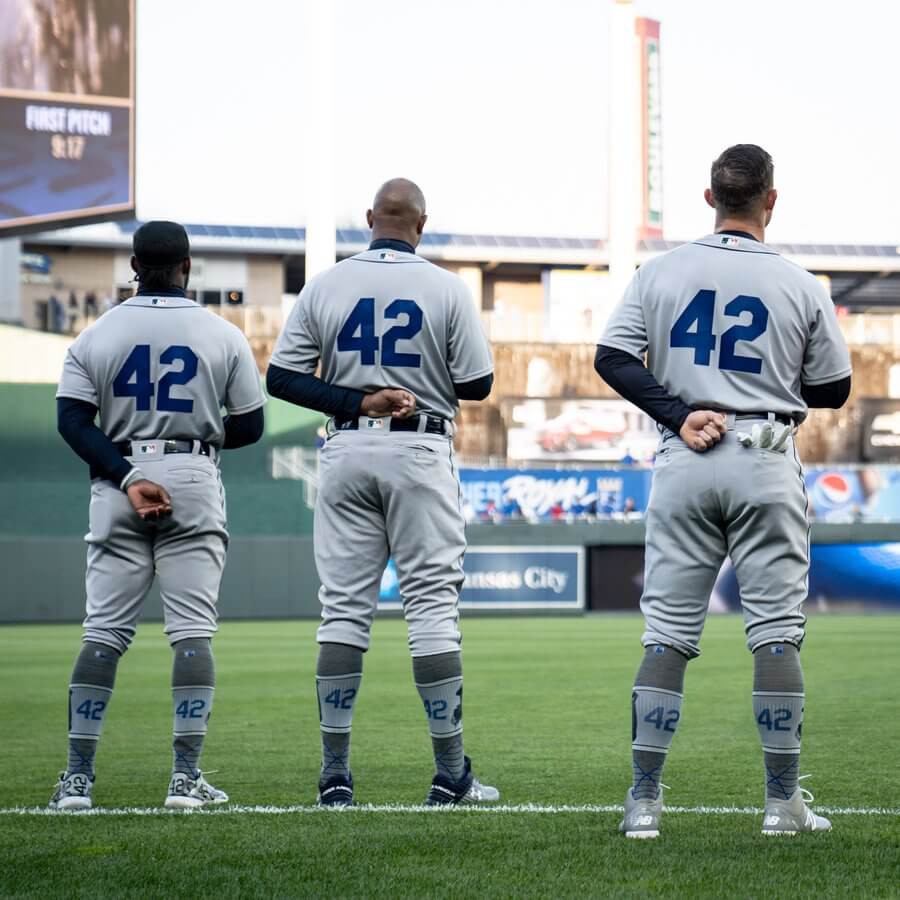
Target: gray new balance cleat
[(189, 793), (789, 817), (642, 817), (73, 791), (467, 791)]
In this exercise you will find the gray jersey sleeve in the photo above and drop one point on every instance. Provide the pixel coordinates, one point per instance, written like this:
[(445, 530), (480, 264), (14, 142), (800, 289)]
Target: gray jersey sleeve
[(243, 393), (76, 381), (298, 347), (626, 328), (468, 351), (826, 357)]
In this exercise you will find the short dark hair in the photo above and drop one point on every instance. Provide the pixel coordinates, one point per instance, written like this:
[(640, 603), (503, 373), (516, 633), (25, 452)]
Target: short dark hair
[(741, 177)]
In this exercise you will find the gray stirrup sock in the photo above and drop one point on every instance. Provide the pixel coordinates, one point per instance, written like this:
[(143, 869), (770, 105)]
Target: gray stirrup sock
[(338, 676), (440, 684), (655, 711), (90, 690), (778, 709), (193, 684)]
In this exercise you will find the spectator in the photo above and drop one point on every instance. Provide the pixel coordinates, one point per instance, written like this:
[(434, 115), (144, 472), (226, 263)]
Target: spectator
[(90, 305), (56, 320), (74, 311)]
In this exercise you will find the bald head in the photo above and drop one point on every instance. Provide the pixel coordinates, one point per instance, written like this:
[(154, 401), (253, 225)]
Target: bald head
[(398, 212)]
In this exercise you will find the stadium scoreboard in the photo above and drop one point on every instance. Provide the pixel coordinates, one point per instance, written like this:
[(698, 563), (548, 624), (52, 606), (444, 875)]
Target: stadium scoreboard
[(67, 72)]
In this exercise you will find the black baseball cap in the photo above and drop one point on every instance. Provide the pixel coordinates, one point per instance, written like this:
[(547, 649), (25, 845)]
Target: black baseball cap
[(159, 244)]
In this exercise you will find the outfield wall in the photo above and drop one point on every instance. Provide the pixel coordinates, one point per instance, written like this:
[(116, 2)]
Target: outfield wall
[(44, 494), (271, 576)]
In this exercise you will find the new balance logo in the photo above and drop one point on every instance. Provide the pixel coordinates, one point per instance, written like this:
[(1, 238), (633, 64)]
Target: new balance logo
[(771, 821), (645, 820)]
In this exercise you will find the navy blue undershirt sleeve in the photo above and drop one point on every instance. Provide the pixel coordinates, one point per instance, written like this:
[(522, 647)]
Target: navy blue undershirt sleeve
[(477, 389), (831, 395), (633, 381), (75, 422), (304, 389), (243, 430)]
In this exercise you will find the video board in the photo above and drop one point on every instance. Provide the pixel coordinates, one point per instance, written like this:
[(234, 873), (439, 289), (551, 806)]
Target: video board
[(66, 112)]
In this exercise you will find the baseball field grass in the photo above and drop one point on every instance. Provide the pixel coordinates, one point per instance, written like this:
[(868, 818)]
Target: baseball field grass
[(547, 715)]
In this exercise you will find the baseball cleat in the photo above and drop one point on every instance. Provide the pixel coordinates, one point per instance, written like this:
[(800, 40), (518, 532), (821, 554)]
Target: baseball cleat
[(73, 791), (190, 793), (336, 791), (465, 792), (642, 817), (789, 817)]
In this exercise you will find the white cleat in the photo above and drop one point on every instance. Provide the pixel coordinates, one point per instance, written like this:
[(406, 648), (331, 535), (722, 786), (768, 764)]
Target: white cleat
[(790, 817), (642, 817), (468, 791), (73, 791), (190, 793)]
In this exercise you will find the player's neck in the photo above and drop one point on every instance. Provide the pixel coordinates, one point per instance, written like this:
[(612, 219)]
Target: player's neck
[(749, 227), (379, 237)]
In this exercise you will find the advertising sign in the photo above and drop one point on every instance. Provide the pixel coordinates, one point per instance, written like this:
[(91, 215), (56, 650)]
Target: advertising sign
[(610, 431), (651, 222), (510, 578), (880, 430), (491, 495)]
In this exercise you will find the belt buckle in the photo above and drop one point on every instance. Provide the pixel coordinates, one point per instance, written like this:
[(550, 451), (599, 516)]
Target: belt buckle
[(170, 446), (147, 449)]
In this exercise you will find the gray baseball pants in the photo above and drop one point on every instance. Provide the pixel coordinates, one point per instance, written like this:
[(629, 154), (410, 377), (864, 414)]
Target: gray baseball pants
[(747, 503), (185, 551), (382, 494)]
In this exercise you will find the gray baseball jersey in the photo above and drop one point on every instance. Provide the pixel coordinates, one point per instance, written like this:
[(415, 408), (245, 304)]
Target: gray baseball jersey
[(159, 368), (728, 324), (162, 367), (385, 318)]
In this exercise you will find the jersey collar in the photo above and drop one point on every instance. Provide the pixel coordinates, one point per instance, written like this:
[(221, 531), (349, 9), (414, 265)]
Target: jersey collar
[(162, 300), (735, 240), (743, 234), (392, 244)]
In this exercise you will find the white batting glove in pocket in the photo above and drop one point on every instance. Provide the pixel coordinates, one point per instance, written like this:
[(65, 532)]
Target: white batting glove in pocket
[(766, 437)]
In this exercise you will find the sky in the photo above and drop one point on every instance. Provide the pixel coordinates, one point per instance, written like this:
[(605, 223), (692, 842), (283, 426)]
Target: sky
[(499, 110)]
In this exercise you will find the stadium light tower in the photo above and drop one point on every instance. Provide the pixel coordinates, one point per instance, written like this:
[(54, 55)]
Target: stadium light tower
[(319, 89), (623, 189)]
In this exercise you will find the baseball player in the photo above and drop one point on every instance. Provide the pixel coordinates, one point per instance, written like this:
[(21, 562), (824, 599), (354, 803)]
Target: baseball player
[(159, 370), (739, 344), (400, 342)]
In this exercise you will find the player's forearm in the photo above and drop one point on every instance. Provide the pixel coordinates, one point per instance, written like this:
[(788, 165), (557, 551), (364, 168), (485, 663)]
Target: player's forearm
[(633, 381), (477, 389), (831, 395), (307, 390), (75, 423), (243, 430)]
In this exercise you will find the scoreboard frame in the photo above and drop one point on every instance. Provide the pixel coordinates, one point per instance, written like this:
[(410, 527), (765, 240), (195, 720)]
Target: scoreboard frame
[(13, 227)]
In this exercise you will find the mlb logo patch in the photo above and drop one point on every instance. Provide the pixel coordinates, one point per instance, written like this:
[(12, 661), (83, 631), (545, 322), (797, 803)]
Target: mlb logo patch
[(146, 449), (375, 423), (387, 256), (730, 242)]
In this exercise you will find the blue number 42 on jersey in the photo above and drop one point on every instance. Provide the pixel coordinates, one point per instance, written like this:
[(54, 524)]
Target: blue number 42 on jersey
[(694, 329), (358, 333)]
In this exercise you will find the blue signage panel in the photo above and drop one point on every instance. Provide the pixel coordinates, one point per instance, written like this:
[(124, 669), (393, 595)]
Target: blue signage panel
[(536, 494), (511, 578)]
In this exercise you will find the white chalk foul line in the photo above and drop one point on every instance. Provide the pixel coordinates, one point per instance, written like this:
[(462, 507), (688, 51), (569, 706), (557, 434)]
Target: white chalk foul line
[(533, 808)]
